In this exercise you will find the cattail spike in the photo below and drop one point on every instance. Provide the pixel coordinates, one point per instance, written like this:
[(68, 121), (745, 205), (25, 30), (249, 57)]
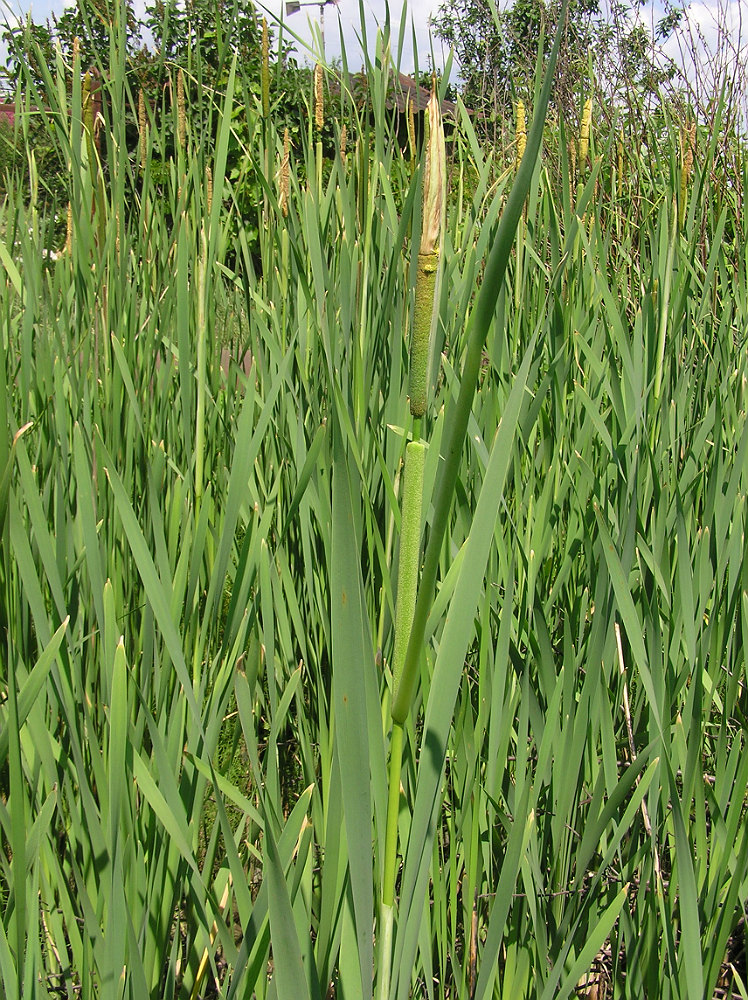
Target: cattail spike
[(688, 143), (265, 69), (343, 142), (142, 126), (284, 175), (584, 133), (520, 133), (319, 98), (181, 111)]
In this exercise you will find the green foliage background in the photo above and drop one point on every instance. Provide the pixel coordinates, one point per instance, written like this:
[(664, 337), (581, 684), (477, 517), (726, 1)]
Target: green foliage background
[(205, 398)]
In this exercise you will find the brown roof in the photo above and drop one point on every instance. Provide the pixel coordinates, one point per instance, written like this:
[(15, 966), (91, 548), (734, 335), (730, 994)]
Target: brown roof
[(406, 91)]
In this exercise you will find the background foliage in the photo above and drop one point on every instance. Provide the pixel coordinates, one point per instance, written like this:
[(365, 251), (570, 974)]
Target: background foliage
[(206, 409)]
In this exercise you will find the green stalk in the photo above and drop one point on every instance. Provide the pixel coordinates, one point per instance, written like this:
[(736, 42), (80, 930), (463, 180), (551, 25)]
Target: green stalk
[(407, 585)]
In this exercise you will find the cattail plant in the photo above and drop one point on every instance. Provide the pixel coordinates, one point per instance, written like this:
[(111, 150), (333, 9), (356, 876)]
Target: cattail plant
[(412, 500), (455, 429)]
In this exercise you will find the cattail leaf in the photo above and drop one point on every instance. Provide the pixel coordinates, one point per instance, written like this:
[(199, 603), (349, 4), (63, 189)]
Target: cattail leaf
[(353, 657)]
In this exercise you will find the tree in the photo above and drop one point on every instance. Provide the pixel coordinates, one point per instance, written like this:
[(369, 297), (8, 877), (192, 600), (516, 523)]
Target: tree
[(497, 50)]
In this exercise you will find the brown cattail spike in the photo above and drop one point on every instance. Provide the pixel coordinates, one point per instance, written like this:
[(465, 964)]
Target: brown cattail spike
[(181, 111), (584, 133), (319, 98), (69, 234), (343, 142), (284, 175), (142, 126), (265, 69)]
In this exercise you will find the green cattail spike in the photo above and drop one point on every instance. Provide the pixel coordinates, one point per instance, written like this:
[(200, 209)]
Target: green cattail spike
[(428, 258), (520, 133), (181, 111), (265, 69)]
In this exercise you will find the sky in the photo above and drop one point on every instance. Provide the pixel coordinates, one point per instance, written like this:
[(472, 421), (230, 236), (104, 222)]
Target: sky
[(715, 25), (341, 16)]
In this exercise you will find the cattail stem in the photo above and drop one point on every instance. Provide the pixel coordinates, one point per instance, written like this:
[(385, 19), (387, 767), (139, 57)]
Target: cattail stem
[(407, 586), (407, 567)]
